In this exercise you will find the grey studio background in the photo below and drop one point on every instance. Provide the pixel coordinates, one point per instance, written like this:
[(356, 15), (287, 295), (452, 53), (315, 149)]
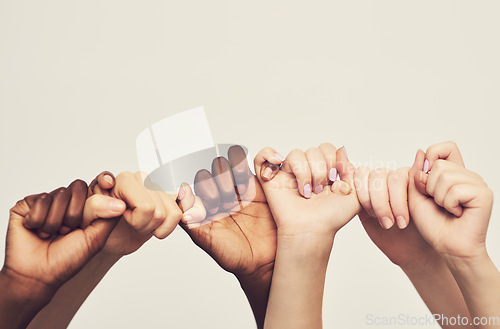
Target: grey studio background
[(80, 79)]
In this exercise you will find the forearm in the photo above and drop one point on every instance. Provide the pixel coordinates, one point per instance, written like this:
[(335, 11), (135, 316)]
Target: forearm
[(256, 288), (20, 299), (68, 299), (479, 281), (296, 296), (439, 290)]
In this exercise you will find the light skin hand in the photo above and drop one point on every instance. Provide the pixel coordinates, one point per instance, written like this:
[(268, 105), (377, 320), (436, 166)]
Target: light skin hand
[(303, 198), (309, 205), (32, 275), (239, 232), (451, 207), (383, 193), (149, 213)]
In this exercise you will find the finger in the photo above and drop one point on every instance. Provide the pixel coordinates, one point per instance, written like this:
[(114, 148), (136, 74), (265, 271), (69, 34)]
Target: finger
[(446, 151), (317, 164), (60, 201), (361, 184), (296, 163), (330, 153), (398, 195), (239, 166), (418, 178), (440, 166), (74, 212), (206, 188), (39, 208), (160, 214), (449, 178), (379, 196), (129, 188), (345, 169), (268, 171), (341, 187), (172, 218), (104, 181), (267, 155), (101, 206), (191, 205), (185, 197), (457, 194), (223, 177)]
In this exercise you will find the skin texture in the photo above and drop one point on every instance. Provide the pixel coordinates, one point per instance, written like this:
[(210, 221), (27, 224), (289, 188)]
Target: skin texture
[(147, 213), (31, 275), (239, 232), (308, 209), (451, 207), (384, 192)]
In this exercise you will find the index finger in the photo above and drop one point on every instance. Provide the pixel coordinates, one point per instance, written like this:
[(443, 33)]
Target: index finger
[(445, 151)]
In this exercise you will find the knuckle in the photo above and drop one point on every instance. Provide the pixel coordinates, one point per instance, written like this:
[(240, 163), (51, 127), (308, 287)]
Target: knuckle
[(147, 208), (293, 153), (397, 178), (328, 146)]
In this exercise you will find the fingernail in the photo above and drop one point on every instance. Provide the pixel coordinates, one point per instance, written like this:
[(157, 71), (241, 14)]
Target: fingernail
[(318, 189), (426, 166), (345, 152), (43, 235), (116, 205), (279, 157), (307, 191), (64, 230), (332, 176), (345, 189), (267, 173), (108, 179), (386, 222), (187, 218), (401, 221), (181, 193)]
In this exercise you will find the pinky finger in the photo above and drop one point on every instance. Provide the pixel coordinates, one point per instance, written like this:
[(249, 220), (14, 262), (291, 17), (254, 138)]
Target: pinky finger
[(267, 155)]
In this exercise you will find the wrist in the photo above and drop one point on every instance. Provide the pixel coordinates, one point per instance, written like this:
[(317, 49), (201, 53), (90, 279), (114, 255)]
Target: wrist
[(468, 264), (21, 298), (427, 261), (19, 288), (306, 245)]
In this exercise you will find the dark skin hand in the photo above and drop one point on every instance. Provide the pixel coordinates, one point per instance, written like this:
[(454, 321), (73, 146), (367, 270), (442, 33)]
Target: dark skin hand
[(50, 237), (239, 232)]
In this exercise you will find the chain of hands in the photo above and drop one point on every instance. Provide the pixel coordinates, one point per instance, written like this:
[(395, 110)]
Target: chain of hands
[(274, 231)]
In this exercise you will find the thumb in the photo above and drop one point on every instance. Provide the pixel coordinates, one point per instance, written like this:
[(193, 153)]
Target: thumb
[(101, 206), (97, 229), (192, 207)]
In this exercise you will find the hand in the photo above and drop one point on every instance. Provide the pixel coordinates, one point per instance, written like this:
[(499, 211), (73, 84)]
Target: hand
[(383, 194), (37, 255), (239, 231), (298, 211), (451, 206), (148, 213)]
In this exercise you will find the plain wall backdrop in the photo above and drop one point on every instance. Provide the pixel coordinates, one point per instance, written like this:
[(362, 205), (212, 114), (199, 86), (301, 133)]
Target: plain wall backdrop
[(80, 79)]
